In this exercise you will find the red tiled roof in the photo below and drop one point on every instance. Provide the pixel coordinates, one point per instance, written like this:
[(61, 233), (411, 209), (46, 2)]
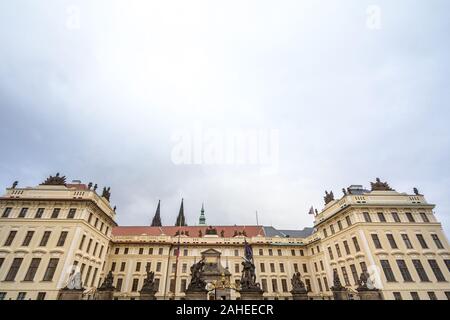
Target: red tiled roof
[(193, 231)]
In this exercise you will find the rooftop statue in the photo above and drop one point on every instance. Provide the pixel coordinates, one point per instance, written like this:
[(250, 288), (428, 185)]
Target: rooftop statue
[(14, 185), (380, 186), (55, 181), (328, 197), (106, 193)]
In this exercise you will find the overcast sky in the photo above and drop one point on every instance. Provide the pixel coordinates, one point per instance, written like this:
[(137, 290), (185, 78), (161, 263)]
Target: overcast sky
[(100, 91)]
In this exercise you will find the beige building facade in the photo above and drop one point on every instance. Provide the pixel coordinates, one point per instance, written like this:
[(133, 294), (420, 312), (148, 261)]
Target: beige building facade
[(49, 230)]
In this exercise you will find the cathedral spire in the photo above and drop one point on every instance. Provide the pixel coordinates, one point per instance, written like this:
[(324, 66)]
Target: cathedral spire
[(181, 220), (156, 222), (202, 219)]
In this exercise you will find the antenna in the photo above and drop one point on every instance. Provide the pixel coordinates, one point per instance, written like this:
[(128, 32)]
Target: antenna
[(257, 221)]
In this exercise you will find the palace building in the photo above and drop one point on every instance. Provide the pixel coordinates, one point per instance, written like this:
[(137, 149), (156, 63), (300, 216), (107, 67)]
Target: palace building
[(50, 230)]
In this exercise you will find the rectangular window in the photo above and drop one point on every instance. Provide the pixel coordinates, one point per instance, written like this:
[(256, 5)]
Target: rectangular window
[(185, 252), (320, 284), (101, 251), (404, 271), (315, 267), (332, 229), (158, 267), (62, 239), (396, 217), (23, 212), (264, 284), (302, 253), (94, 276), (345, 275), (437, 241), (308, 285), (96, 223), (376, 241), (367, 217), (422, 241), (236, 268), (295, 267), (90, 218), (184, 268), (138, 267), (21, 295), (281, 267), (125, 251), (135, 285), (330, 253), (122, 266), (150, 251), (391, 240), (339, 225), (1, 262), (160, 251), (88, 274), (387, 270), (274, 285), (141, 250), (436, 270), (83, 238), (27, 240), (349, 222), (305, 268), (397, 296), (270, 252), (15, 266), (447, 263), (356, 244), (261, 252), (88, 249), (119, 284), (262, 267), (325, 234), (272, 267), (41, 296), (363, 266), (71, 214), (34, 265), (51, 268), (325, 282), (408, 243), (10, 239), (321, 265), (95, 249), (424, 217), (292, 252), (45, 238), (284, 285), (6, 212), (410, 217), (183, 285), (116, 251), (338, 250), (432, 295), (279, 252), (113, 266), (354, 274), (55, 213), (157, 284), (381, 217), (39, 213), (415, 296)]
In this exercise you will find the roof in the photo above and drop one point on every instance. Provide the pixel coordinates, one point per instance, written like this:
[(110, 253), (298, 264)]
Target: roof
[(272, 232), (78, 186)]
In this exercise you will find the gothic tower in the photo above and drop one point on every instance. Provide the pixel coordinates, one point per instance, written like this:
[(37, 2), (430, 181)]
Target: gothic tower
[(202, 219), (156, 222), (181, 220)]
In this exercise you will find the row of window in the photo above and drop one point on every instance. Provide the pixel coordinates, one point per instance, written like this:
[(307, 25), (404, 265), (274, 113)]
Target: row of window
[(346, 247), (345, 276), (23, 296), (407, 241), (95, 223), (32, 269), (415, 295), (39, 213), (340, 226), (421, 272), (396, 217), (30, 235), (86, 277), (89, 246)]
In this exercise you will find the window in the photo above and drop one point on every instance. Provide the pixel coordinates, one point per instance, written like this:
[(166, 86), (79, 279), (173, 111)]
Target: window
[(39, 213), (332, 229), (10, 239), (21, 295), (295, 267), (96, 223), (62, 239), (116, 251), (410, 217), (34, 265), (404, 271), (262, 267), (367, 217), (264, 284), (71, 214), (28, 237), (158, 267), (281, 267), (157, 284), (345, 275), (113, 266), (135, 285), (51, 268), (308, 285), (270, 252), (185, 252), (339, 225), (6, 212), (41, 296), (119, 284), (408, 243), (397, 296), (95, 249), (94, 276), (90, 218), (422, 241), (376, 241), (354, 274), (391, 240), (138, 266), (447, 263), (387, 270), (55, 213), (315, 267), (321, 265), (284, 285), (184, 268), (160, 251), (447, 294), (330, 253), (355, 243), (274, 285), (432, 295), (312, 251), (141, 250), (23, 212), (125, 251), (437, 241), (325, 234), (88, 274), (11, 276), (396, 217), (45, 238), (88, 249), (83, 238), (279, 252), (101, 251), (320, 285), (325, 282), (436, 270), (236, 268), (338, 250), (183, 285), (122, 266), (305, 268), (349, 222), (261, 252), (272, 267), (424, 217), (1, 262), (381, 217), (363, 266), (415, 296), (302, 253), (150, 251)]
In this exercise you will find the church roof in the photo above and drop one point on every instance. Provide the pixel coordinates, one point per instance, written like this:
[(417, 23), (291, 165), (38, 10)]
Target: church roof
[(272, 232)]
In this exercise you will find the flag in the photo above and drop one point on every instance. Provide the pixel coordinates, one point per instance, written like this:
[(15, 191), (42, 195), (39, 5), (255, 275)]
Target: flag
[(248, 251), (311, 211)]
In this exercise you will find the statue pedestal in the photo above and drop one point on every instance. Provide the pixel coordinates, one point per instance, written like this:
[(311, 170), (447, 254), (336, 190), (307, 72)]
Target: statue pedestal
[(299, 295), (67, 294), (104, 295), (251, 294), (147, 295), (196, 295), (370, 295), (340, 295)]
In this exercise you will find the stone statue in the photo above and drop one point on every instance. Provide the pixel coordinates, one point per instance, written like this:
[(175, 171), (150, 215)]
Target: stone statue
[(14, 185), (149, 281), (95, 187), (328, 197), (365, 283), (55, 180), (107, 283), (344, 191), (337, 286), (211, 231), (248, 278), (89, 185), (416, 192), (380, 186), (115, 207), (200, 233), (297, 284), (106, 193), (222, 233), (74, 282), (197, 283)]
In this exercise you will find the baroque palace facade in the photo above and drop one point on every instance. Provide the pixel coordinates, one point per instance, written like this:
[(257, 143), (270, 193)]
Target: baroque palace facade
[(49, 230)]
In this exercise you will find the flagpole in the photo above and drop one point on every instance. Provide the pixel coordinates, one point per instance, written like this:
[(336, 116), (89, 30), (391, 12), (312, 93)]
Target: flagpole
[(177, 256)]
